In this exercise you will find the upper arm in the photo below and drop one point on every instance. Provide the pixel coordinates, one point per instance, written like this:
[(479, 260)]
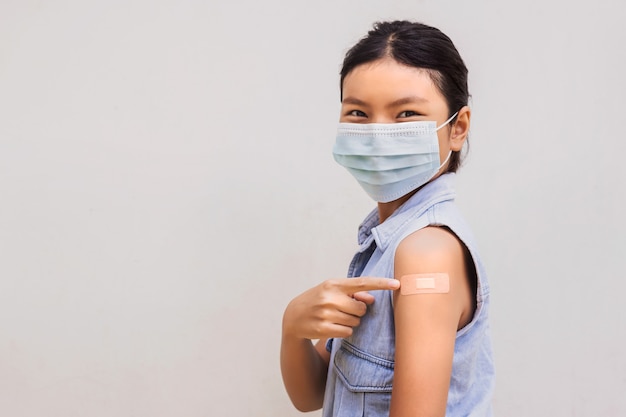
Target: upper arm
[(426, 324)]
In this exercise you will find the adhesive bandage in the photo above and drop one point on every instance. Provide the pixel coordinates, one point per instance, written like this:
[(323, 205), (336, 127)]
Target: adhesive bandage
[(434, 283)]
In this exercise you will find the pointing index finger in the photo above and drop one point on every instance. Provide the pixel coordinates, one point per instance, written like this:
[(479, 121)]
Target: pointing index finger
[(357, 284)]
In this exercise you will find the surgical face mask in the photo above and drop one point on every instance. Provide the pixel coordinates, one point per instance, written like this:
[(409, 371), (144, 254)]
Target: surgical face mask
[(390, 160)]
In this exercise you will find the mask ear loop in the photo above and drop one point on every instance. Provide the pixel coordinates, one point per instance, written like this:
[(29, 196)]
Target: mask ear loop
[(445, 161), (447, 121)]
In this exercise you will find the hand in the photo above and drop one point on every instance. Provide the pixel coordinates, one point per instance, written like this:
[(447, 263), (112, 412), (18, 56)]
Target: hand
[(332, 308)]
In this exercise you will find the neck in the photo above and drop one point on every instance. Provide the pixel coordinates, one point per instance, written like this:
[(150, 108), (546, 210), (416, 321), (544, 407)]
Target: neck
[(385, 210)]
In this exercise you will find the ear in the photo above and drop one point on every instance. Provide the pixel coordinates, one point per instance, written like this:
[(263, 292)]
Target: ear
[(460, 129)]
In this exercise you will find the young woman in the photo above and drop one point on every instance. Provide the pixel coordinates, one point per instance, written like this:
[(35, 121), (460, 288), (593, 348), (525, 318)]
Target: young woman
[(407, 334)]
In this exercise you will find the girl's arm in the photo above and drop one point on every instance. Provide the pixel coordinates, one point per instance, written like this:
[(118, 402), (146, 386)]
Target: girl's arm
[(426, 324), (304, 366), (330, 309)]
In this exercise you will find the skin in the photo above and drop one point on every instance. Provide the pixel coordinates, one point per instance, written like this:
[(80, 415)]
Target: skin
[(426, 324)]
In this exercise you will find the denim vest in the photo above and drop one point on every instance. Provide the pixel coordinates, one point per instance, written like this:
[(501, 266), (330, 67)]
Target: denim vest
[(360, 374)]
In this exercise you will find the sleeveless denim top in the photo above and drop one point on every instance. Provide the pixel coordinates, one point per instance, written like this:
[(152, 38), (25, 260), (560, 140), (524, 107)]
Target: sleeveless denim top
[(360, 374)]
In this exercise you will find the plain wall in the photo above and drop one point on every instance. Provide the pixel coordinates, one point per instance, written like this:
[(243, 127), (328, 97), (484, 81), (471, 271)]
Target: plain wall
[(167, 186)]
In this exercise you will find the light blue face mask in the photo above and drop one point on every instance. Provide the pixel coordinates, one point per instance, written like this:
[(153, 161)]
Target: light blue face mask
[(390, 160)]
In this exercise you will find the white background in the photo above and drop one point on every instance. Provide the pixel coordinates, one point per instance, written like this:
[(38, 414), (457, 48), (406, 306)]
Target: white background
[(167, 186)]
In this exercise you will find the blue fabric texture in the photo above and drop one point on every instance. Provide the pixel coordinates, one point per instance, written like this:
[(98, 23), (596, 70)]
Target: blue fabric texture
[(360, 374)]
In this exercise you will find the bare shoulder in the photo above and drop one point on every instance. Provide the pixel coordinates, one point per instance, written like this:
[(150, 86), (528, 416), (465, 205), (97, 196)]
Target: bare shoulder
[(438, 250), (428, 248)]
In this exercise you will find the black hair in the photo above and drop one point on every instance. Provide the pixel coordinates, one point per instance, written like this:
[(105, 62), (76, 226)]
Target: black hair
[(416, 45)]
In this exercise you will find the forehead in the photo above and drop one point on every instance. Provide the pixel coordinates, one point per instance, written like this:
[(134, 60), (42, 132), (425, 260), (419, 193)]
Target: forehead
[(389, 79)]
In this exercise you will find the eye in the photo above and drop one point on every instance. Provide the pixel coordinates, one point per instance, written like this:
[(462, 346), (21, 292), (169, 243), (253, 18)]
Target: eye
[(407, 113), (356, 113)]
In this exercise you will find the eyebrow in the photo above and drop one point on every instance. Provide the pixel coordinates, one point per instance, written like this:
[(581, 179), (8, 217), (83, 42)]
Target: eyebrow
[(407, 100), (353, 100), (395, 103)]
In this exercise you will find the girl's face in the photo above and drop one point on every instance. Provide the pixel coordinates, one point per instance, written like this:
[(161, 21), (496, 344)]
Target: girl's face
[(386, 91)]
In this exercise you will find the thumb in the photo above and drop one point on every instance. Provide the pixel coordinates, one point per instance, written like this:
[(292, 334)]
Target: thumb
[(363, 296)]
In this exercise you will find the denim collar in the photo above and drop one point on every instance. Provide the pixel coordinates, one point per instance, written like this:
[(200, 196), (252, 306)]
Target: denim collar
[(436, 191)]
